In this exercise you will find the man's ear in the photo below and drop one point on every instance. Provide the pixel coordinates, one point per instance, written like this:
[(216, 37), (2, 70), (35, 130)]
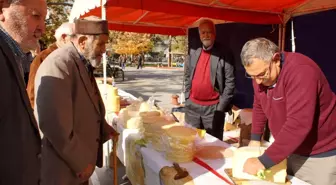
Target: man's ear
[(3, 4), (276, 58), (82, 41)]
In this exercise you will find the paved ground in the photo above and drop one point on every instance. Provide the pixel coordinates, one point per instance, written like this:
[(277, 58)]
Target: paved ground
[(147, 82)]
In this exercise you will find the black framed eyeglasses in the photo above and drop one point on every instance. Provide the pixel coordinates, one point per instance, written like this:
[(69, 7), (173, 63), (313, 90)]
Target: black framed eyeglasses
[(262, 76)]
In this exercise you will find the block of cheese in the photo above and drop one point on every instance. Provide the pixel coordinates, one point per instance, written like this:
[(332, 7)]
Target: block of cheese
[(123, 116), (144, 107), (134, 123), (115, 103), (276, 174), (180, 144), (114, 91)]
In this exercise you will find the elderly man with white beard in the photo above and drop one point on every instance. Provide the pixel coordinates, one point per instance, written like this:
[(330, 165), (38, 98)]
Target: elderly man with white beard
[(63, 36), (209, 82), (69, 108)]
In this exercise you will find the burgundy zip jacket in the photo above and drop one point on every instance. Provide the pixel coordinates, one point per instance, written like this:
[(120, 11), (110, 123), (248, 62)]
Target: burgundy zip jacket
[(300, 110)]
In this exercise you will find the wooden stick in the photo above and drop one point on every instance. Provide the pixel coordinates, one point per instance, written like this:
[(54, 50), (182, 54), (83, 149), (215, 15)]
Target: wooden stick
[(115, 160)]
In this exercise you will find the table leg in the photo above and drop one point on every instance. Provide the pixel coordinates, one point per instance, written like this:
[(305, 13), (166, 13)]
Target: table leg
[(115, 160)]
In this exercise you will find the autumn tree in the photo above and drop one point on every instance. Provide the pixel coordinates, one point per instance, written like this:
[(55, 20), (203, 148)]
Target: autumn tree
[(58, 12), (179, 44), (130, 43)]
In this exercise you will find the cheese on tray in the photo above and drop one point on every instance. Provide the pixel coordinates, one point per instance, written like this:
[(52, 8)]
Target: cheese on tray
[(275, 174), (180, 144)]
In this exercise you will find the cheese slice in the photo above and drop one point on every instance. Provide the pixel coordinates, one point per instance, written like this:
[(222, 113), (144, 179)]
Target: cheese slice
[(277, 173)]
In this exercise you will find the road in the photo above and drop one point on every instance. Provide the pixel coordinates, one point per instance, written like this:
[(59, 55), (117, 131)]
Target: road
[(146, 82)]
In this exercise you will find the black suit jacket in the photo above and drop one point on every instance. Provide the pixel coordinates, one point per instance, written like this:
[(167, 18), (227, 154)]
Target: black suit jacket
[(222, 74), (20, 140)]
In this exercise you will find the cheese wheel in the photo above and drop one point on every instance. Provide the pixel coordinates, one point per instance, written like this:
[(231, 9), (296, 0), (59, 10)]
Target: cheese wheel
[(277, 173), (153, 133), (180, 144), (182, 133)]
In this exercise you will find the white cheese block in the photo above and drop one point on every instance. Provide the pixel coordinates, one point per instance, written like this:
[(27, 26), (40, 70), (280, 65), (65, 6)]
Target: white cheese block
[(277, 173)]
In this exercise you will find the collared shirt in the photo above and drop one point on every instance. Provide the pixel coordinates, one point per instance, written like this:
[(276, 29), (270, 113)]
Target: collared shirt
[(208, 48), (20, 56), (26, 64)]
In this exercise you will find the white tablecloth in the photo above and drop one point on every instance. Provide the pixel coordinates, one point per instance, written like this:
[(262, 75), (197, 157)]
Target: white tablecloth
[(154, 161)]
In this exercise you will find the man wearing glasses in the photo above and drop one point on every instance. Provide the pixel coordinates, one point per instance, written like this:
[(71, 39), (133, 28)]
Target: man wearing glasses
[(293, 95), (209, 83)]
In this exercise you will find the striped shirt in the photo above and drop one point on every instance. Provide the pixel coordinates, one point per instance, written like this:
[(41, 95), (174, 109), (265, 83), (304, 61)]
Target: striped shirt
[(20, 56)]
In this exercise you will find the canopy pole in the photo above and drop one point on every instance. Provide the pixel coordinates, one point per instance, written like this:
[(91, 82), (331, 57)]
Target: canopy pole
[(283, 37), (293, 37), (279, 36), (282, 31), (103, 17)]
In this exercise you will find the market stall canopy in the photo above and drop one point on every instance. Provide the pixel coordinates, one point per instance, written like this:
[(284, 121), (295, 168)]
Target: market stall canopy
[(174, 17)]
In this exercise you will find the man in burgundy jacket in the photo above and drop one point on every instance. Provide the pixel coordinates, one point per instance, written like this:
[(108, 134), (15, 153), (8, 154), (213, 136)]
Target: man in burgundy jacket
[(293, 95), (209, 83)]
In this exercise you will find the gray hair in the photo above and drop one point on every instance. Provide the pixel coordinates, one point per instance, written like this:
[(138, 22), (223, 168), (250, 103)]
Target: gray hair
[(65, 28), (14, 1), (207, 21), (260, 48)]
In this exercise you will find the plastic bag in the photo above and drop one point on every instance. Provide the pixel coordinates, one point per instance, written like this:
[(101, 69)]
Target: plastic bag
[(229, 118)]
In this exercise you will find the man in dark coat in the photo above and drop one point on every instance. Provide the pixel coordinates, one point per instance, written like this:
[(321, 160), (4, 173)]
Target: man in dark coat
[(21, 25)]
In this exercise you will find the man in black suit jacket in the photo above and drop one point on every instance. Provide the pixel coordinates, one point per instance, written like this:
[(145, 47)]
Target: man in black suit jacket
[(209, 83), (21, 25)]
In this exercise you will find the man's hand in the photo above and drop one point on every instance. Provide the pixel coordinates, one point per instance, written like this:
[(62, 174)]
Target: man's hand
[(85, 175), (254, 143), (253, 165)]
